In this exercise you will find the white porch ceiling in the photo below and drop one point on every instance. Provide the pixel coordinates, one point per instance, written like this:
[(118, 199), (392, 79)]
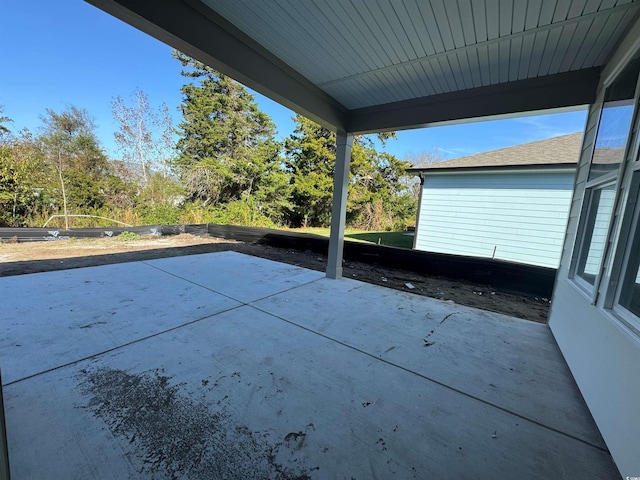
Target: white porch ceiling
[(381, 64), (366, 53)]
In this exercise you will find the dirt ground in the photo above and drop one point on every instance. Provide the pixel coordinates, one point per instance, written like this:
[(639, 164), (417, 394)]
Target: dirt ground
[(23, 258)]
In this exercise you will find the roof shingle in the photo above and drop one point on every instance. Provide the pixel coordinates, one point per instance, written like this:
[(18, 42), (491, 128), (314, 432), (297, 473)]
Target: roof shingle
[(564, 149)]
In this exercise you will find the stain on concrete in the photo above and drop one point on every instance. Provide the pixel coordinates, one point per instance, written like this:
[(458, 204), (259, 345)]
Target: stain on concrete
[(90, 325), (429, 343), (174, 437), (295, 439)]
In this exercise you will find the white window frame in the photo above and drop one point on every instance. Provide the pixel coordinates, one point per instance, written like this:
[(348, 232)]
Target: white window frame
[(630, 220), (599, 184), (592, 291), (622, 232)]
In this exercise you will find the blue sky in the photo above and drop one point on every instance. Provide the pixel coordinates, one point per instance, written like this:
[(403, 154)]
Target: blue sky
[(67, 52)]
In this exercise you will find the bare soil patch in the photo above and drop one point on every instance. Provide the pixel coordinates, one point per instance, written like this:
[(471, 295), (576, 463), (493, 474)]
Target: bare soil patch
[(24, 258)]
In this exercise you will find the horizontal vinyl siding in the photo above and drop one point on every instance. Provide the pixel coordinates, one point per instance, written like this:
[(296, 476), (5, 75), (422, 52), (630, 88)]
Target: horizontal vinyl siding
[(520, 216)]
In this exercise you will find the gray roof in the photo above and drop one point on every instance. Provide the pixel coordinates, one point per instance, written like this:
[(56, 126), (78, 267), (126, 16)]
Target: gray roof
[(556, 151), (384, 65)]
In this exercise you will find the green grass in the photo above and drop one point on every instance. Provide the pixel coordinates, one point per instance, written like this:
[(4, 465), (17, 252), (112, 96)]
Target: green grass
[(390, 239)]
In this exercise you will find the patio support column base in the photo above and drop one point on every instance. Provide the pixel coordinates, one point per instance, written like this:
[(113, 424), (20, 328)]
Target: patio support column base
[(344, 141)]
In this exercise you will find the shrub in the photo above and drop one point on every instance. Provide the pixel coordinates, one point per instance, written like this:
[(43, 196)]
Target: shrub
[(244, 212), (128, 236), (160, 214)]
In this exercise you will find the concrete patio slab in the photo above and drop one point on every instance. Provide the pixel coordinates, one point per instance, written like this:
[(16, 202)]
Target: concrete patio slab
[(511, 363), (51, 319), (241, 277), (238, 392)]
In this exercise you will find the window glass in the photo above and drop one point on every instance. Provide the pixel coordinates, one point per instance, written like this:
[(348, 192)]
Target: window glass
[(612, 138), (630, 285), (596, 229), (630, 293), (615, 122)]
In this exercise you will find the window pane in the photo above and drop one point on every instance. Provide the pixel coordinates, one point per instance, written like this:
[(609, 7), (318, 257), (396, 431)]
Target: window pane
[(615, 122), (596, 228), (630, 291), (612, 138)]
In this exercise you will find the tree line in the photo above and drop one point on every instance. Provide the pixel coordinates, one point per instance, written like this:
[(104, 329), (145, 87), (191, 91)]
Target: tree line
[(221, 164)]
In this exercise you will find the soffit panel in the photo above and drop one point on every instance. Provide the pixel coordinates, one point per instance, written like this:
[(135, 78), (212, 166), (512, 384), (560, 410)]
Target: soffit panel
[(365, 53), (371, 65)]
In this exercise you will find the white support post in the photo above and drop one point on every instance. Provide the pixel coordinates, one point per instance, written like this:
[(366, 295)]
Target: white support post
[(344, 141)]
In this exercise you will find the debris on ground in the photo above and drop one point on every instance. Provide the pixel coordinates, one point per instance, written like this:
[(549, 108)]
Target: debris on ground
[(33, 257)]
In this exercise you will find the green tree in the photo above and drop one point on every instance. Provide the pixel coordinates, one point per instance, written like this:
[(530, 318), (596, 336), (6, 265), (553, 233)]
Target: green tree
[(159, 200), (227, 151), (374, 183), (72, 148), (310, 159), (376, 198), (22, 176)]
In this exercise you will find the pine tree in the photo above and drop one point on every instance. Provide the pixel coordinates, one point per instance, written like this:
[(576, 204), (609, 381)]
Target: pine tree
[(311, 157), (226, 148), (374, 200)]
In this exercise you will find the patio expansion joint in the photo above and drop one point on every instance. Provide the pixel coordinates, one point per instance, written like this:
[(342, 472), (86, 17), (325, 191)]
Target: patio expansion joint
[(433, 380), (228, 296), (177, 327), (112, 349), (250, 304)]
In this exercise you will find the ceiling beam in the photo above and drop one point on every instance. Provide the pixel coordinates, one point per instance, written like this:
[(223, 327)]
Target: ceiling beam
[(194, 29), (562, 90), (628, 48)]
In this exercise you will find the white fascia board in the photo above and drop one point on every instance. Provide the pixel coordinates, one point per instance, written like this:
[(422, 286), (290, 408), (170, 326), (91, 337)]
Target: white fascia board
[(487, 171)]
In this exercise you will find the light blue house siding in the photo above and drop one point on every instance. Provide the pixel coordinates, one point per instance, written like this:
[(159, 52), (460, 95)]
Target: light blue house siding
[(518, 216)]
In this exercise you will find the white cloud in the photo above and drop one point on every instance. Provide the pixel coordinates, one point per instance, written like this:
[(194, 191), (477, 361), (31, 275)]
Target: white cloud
[(548, 126)]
